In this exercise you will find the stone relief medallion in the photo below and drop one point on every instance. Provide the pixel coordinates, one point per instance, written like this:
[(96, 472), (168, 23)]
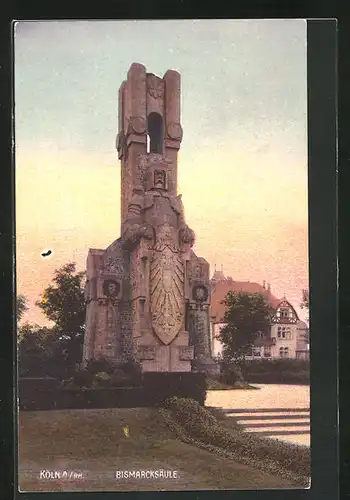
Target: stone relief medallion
[(166, 285), (174, 131), (200, 293), (111, 288), (155, 87), (138, 124)]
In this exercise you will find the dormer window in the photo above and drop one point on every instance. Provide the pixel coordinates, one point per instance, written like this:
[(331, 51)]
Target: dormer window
[(284, 313)]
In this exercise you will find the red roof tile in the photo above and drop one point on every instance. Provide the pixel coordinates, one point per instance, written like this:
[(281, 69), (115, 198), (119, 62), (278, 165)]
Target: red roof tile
[(221, 289)]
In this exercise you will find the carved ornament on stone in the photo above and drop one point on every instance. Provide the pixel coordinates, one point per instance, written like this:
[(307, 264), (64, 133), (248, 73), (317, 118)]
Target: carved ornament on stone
[(121, 144), (175, 131), (166, 285), (137, 124), (106, 301), (159, 179), (113, 266), (146, 353), (186, 353), (187, 235), (155, 87)]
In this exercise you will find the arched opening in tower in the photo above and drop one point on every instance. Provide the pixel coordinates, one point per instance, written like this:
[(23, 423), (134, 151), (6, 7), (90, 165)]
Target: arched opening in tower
[(155, 131)]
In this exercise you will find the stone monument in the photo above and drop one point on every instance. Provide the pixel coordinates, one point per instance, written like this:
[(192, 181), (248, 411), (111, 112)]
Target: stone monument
[(148, 294)]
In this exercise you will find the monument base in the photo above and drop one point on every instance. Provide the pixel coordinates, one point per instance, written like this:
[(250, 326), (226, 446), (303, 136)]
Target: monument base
[(165, 358), (207, 366)]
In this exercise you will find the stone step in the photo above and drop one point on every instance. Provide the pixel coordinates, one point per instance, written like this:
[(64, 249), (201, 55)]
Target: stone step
[(269, 417), (300, 439), (278, 432), (273, 424), (266, 410)]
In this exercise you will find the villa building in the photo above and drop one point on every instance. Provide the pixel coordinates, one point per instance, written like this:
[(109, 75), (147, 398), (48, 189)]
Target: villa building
[(288, 335)]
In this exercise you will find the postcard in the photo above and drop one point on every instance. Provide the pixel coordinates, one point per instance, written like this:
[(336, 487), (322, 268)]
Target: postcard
[(162, 255)]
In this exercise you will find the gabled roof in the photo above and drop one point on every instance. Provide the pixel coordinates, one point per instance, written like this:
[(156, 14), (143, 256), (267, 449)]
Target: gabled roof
[(285, 303), (217, 308), (218, 276)]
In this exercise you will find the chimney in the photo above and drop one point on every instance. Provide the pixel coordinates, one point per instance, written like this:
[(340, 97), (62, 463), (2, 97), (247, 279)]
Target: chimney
[(269, 287), (264, 284)]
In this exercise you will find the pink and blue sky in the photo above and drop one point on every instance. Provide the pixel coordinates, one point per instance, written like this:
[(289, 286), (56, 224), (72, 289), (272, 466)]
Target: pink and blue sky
[(242, 163)]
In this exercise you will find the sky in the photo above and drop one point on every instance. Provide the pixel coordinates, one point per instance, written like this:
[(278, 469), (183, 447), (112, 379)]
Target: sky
[(242, 163)]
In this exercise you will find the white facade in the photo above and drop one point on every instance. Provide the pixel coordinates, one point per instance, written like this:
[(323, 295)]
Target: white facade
[(287, 341), (288, 336), (216, 346)]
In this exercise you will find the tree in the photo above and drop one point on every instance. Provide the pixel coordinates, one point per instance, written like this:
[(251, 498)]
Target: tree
[(246, 315), (35, 351), (305, 304), (21, 306), (64, 303), (305, 299)]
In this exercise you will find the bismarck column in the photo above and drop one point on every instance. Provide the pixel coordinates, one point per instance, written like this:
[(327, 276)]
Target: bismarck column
[(148, 293), (153, 229)]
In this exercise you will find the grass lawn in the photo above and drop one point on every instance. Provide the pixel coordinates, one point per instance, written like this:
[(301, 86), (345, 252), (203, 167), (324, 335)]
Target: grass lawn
[(92, 444)]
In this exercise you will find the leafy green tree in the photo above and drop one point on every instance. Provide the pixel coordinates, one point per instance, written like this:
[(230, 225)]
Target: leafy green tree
[(64, 303), (35, 351), (246, 315), (21, 306)]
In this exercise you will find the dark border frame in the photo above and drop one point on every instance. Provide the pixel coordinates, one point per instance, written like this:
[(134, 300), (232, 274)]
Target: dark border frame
[(322, 87), (322, 144)]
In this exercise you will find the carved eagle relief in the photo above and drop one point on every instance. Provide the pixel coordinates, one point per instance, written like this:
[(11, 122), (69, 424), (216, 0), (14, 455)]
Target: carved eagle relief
[(167, 285)]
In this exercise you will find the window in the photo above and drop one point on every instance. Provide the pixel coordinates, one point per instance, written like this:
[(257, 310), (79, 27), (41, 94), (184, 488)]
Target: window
[(284, 313), (267, 351), (284, 332), (284, 352), (256, 352), (155, 133)]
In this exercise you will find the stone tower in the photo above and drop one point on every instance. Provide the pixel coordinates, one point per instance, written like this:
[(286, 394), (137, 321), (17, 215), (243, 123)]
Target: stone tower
[(148, 293)]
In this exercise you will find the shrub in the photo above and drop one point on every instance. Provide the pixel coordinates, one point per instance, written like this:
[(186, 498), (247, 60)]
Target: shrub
[(189, 413), (100, 373), (200, 424), (71, 398), (160, 386), (99, 365), (81, 378), (101, 379), (284, 371), (133, 370), (230, 374)]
